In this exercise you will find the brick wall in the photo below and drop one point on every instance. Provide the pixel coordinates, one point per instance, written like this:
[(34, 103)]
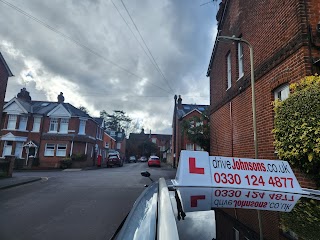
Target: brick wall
[(277, 31), (3, 86)]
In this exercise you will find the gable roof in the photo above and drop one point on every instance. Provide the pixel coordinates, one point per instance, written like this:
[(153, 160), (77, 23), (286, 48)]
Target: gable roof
[(220, 18), (99, 120), (14, 109), (45, 107), (187, 108), (6, 66), (60, 111)]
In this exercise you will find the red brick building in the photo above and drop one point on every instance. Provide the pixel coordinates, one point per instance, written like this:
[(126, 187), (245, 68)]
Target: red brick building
[(5, 73), (116, 141), (285, 36), (49, 132), (181, 113), (136, 141)]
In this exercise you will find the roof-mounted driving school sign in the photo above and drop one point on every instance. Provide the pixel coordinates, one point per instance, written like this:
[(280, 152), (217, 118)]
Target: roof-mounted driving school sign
[(204, 199), (198, 169)]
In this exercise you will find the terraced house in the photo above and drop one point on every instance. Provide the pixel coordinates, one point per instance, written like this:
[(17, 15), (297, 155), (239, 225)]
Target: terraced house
[(47, 132)]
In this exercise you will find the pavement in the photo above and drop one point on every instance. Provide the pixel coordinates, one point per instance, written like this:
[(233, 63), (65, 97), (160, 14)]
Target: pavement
[(20, 180), (16, 181)]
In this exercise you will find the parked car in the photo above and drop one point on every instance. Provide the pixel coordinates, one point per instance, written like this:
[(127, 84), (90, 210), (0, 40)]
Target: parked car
[(143, 159), (154, 161), (114, 153), (132, 159), (114, 160)]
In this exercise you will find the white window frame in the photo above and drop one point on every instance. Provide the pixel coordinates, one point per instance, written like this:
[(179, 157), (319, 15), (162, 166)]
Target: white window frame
[(36, 124), (18, 149), (97, 132), (54, 123), (61, 150), (12, 121), (100, 136), (198, 148), (190, 146), (118, 145), (229, 71), (82, 127), (282, 92), (49, 152), (154, 140), (240, 60), (64, 125), (23, 123)]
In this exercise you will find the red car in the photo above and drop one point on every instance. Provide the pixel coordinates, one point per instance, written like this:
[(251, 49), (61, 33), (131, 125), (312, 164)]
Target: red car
[(154, 161), (114, 160)]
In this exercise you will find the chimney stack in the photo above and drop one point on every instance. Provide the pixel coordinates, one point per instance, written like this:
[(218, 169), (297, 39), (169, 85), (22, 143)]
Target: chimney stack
[(24, 95), (60, 98), (179, 102)]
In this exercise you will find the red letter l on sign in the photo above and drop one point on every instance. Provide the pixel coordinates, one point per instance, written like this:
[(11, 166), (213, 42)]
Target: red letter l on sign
[(193, 168)]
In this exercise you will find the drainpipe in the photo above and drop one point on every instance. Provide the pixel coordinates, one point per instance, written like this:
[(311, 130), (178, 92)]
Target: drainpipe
[(231, 123)]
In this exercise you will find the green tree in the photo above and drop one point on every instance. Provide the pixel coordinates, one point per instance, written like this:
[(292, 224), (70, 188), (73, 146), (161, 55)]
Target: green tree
[(297, 127), (303, 220), (84, 109), (197, 130), (117, 120), (147, 148)]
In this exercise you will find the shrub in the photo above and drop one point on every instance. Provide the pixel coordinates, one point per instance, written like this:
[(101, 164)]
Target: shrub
[(65, 163), (297, 127), (79, 157)]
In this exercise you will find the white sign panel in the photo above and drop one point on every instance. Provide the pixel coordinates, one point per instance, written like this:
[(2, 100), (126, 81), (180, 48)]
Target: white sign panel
[(273, 175), (204, 199), (197, 168)]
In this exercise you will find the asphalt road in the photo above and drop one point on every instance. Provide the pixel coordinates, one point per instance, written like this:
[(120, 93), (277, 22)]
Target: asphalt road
[(73, 204)]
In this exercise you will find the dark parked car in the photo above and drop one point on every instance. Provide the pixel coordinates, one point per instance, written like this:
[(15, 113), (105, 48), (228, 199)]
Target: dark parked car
[(132, 159), (154, 161), (114, 160)]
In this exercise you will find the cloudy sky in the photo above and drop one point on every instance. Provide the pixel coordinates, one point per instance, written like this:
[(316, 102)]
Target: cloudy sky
[(92, 51)]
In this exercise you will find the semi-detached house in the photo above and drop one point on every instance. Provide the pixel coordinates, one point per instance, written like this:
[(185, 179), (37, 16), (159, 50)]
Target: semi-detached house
[(47, 132)]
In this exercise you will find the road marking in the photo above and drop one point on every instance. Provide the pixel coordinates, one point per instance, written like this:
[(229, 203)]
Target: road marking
[(72, 170)]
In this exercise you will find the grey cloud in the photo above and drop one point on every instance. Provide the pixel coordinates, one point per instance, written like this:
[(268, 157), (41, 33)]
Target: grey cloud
[(177, 32)]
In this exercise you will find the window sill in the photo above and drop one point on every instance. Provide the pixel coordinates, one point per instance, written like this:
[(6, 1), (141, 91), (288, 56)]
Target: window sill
[(240, 77), (52, 132)]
